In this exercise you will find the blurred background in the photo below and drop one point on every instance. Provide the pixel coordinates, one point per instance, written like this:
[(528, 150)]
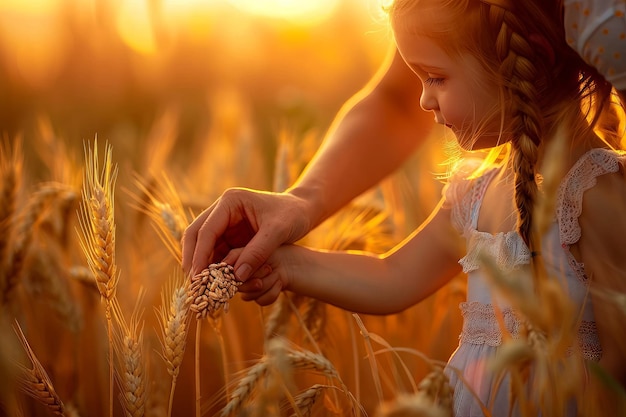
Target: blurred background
[(194, 96), (114, 68)]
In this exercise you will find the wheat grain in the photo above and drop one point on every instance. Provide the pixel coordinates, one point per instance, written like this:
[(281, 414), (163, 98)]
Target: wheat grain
[(211, 290)]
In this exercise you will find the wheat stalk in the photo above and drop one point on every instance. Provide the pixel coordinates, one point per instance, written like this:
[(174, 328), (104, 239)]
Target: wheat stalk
[(174, 318), (97, 240), (35, 382)]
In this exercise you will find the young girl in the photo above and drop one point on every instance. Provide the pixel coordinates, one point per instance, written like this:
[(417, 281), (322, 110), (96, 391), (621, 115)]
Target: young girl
[(495, 73)]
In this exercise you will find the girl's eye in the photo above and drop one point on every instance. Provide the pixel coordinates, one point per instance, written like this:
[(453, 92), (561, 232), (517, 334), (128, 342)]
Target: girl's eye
[(430, 81)]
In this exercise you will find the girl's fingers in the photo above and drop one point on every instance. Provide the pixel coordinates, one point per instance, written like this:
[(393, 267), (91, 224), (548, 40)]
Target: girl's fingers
[(250, 287), (256, 287), (271, 295)]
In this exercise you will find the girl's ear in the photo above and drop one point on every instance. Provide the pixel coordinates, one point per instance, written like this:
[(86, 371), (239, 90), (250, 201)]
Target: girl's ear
[(543, 47)]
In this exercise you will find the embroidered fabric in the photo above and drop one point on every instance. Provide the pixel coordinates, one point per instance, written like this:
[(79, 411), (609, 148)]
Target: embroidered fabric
[(461, 193), (579, 179), (508, 250), (481, 327), (464, 198)]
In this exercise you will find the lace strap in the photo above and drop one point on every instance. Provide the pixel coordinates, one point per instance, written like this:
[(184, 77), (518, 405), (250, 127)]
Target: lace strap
[(579, 179), (463, 194)]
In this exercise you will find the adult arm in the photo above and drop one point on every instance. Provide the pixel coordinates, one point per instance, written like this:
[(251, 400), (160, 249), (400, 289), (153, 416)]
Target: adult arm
[(375, 131), (372, 135)]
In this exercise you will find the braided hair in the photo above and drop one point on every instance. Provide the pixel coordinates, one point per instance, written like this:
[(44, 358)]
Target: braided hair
[(543, 82)]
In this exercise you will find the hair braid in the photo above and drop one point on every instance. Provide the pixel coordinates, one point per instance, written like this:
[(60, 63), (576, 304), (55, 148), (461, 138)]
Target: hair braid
[(519, 73)]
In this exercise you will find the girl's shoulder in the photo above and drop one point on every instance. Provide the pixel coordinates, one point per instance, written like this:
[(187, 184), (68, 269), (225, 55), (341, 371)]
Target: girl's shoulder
[(595, 184), (466, 174), (465, 187)]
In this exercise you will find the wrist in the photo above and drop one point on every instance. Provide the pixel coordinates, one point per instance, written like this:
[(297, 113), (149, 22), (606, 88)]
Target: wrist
[(313, 202)]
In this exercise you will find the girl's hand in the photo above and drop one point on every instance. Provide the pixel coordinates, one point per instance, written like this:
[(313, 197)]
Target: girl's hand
[(266, 283)]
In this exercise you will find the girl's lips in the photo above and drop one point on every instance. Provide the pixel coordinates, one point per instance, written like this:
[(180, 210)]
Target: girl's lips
[(448, 125)]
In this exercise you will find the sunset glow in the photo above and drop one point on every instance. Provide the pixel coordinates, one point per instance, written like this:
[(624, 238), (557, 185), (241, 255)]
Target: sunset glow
[(302, 11)]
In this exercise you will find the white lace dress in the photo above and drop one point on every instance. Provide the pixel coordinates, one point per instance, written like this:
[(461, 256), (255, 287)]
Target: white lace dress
[(481, 335)]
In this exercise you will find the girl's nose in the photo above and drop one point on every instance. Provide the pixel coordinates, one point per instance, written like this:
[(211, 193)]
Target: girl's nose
[(427, 101)]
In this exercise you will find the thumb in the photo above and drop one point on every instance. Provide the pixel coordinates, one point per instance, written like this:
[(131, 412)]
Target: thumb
[(255, 254)]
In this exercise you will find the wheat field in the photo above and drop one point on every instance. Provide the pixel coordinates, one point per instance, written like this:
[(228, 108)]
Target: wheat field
[(109, 150)]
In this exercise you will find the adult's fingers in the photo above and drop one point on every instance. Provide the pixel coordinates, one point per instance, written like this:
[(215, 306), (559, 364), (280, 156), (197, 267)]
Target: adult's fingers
[(201, 236), (190, 238)]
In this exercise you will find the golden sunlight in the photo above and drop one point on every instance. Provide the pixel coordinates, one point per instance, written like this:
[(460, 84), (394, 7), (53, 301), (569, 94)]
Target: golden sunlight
[(302, 11), (134, 26), (30, 40)]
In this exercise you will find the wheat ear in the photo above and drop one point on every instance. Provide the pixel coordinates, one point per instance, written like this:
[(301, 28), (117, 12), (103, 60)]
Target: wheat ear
[(35, 382), (245, 387), (97, 240), (163, 206), (131, 361), (209, 293), (174, 318), (307, 399)]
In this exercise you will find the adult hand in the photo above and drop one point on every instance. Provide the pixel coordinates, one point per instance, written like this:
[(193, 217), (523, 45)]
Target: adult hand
[(257, 221)]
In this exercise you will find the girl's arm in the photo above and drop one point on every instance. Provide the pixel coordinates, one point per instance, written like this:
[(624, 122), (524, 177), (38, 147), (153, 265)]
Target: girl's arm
[(363, 282)]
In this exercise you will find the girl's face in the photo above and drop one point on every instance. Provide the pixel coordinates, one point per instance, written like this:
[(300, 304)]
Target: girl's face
[(456, 90)]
